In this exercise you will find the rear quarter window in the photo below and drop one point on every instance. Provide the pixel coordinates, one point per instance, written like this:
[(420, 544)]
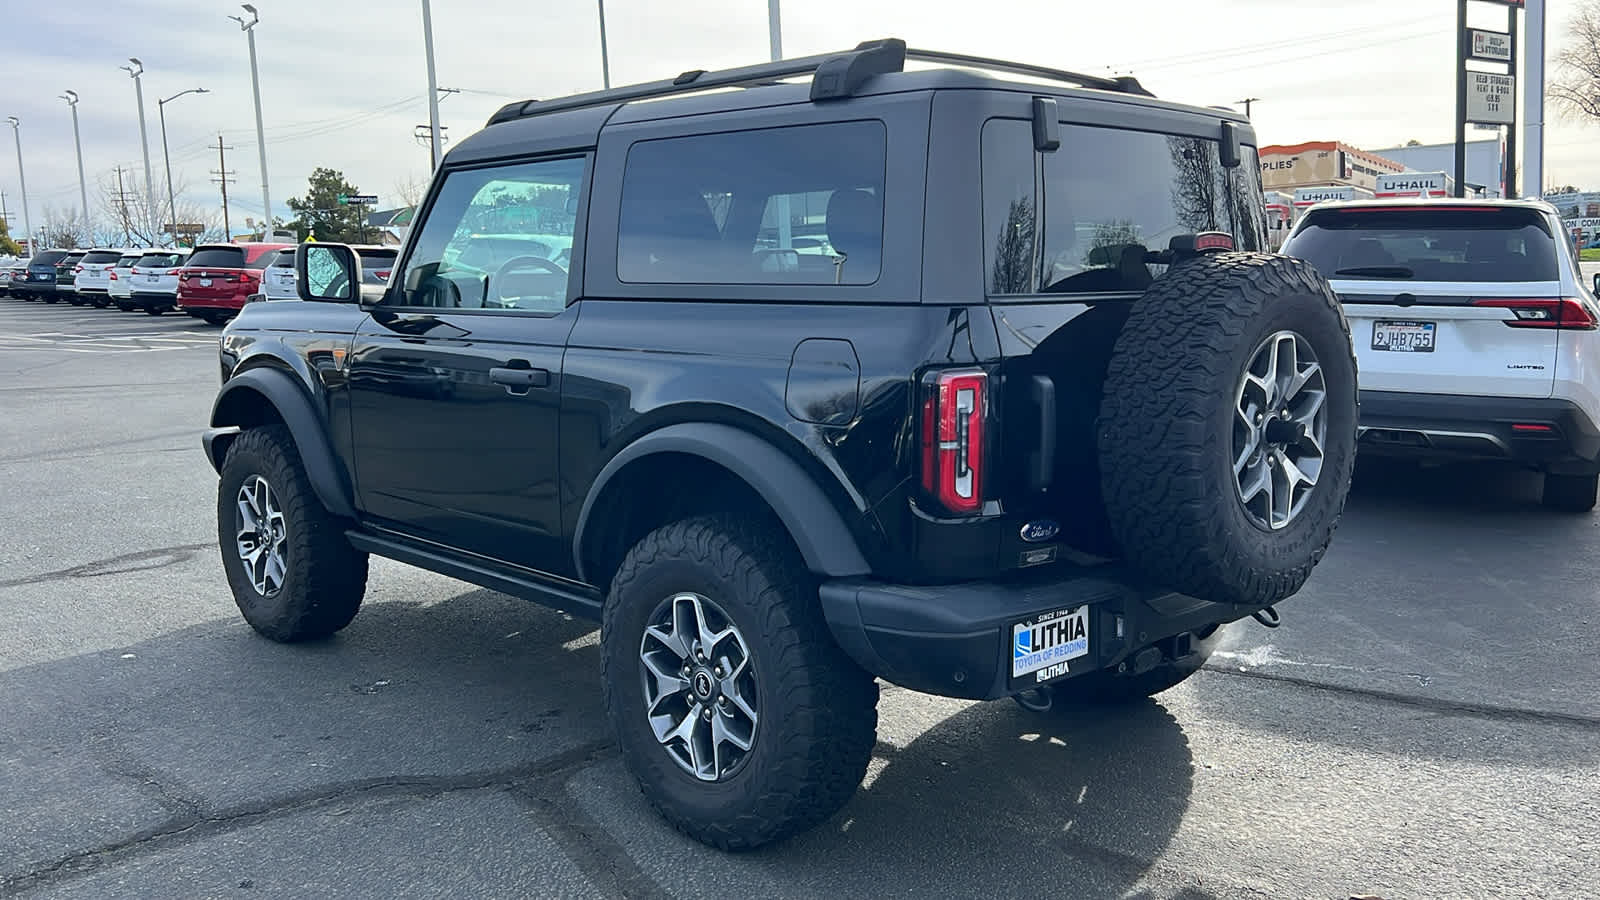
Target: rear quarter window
[(1472, 244)]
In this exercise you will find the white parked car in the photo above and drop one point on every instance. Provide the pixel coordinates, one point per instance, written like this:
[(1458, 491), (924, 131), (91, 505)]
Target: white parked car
[(94, 275), (120, 289), (278, 281), (155, 280), (1475, 333)]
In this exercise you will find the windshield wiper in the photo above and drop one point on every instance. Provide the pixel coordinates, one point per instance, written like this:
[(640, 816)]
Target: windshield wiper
[(1377, 271)]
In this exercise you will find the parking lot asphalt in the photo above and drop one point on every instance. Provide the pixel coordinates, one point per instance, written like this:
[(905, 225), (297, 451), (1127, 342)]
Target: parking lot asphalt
[(1423, 724)]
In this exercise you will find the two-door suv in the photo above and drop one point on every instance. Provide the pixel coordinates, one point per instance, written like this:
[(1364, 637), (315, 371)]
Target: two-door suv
[(979, 385)]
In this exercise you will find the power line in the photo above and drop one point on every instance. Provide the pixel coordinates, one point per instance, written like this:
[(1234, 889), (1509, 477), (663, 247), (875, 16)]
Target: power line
[(223, 178)]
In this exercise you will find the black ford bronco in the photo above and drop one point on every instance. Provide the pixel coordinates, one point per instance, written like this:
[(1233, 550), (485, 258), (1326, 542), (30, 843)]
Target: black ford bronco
[(974, 379)]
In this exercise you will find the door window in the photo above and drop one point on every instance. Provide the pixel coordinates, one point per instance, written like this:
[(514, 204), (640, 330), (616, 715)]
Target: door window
[(497, 238)]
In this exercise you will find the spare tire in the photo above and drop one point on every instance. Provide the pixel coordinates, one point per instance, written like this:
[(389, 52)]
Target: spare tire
[(1227, 430)]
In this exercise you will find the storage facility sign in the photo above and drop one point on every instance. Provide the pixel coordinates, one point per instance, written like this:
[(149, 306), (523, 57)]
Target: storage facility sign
[(1490, 45), (1491, 98)]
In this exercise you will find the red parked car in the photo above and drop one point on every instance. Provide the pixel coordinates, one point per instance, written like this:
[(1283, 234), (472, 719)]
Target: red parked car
[(216, 278)]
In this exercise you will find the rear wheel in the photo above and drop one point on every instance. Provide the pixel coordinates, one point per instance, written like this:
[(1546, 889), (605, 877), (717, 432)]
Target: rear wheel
[(1570, 493), (125, 306), (214, 318), (154, 310), (99, 302), (739, 716), (1227, 428), (51, 299)]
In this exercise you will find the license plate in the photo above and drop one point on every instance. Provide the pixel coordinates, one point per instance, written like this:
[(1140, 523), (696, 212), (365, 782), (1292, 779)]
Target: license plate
[(205, 282), (1404, 337), (152, 279), (1042, 646)]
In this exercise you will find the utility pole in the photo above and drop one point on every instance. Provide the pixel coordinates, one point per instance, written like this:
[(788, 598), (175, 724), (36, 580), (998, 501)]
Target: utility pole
[(134, 72), (1247, 101), (83, 185), (774, 30), (223, 178), (255, 86), (1510, 160), (1533, 101), (27, 222), (122, 206), (433, 82)]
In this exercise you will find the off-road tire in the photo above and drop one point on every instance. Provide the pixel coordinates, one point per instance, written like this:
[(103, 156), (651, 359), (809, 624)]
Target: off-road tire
[(818, 710), (325, 576), (1107, 688), (1166, 420), (1570, 493)]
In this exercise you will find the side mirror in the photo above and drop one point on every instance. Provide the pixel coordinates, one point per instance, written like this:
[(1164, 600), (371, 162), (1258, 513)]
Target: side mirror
[(330, 273), (1597, 283), (1232, 151)]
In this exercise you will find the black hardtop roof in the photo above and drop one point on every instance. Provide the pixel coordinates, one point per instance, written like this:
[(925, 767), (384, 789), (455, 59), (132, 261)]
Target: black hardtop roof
[(871, 69)]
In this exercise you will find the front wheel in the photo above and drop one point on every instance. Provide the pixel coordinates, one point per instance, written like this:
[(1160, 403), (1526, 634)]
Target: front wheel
[(740, 718), (294, 575)]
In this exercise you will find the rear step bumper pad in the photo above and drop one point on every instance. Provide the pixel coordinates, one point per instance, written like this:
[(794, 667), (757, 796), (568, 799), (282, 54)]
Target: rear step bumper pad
[(955, 640), (1453, 425)]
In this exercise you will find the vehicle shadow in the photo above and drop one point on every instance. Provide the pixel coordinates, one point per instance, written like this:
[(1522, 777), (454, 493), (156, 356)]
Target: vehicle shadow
[(1399, 486), (481, 690)]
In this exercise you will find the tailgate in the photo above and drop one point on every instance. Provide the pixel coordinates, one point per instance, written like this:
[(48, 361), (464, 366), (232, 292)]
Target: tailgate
[(210, 285), (1450, 337)]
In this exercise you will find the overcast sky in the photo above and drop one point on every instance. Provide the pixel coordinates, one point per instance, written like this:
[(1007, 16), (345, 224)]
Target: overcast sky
[(344, 83)]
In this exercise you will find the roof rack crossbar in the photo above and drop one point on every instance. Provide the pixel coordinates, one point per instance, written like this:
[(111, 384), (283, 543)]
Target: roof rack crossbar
[(850, 67), (1125, 84)]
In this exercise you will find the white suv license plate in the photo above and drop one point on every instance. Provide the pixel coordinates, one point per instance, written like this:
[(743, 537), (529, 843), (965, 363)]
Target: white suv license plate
[(1403, 337), (1042, 646)]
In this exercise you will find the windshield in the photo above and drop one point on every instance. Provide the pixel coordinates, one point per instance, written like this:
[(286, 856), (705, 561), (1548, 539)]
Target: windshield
[(375, 261), (128, 262), (158, 259), (71, 260), (217, 258), (48, 258), (98, 257), (1480, 244)]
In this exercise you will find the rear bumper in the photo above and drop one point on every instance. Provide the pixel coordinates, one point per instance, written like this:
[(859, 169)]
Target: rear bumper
[(956, 640), (149, 300), (211, 304), (1553, 434)]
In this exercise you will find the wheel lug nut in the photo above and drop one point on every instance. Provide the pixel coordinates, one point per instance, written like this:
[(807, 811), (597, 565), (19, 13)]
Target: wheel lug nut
[(707, 714), (1259, 418)]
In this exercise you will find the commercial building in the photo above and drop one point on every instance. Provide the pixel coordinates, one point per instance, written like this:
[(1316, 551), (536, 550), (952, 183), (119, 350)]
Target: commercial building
[(1285, 167), (1581, 214), (1485, 175)]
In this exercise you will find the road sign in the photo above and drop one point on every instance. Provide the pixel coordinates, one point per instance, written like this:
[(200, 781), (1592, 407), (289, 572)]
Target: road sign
[(1491, 98), (1494, 46), (358, 199)]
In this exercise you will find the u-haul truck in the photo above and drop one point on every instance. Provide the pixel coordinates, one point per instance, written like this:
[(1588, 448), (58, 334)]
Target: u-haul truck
[(1280, 217), (1307, 197), (1415, 184)]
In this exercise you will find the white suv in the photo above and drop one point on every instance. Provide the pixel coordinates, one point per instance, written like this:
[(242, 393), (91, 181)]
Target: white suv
[(155, 280), (1475, 334), (94, 275), (120, 290)]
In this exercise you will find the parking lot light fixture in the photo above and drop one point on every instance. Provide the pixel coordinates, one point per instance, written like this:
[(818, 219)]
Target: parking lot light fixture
[(83, 185), (27, 224), (166, 157), (249, 29), (134, 71)]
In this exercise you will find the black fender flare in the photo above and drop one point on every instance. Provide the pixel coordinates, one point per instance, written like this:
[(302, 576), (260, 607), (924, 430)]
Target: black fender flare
[(310, 435), (813, 522)]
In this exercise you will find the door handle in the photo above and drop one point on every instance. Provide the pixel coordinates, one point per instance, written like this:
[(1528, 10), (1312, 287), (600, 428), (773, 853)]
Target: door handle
[(515, 378)]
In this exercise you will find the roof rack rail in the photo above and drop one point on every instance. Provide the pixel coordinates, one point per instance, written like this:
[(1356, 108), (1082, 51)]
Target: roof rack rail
[(834, 76), (1125, 84)]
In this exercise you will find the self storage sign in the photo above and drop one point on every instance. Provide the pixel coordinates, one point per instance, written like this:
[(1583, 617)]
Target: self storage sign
[(1491, 45), (1491, 98)]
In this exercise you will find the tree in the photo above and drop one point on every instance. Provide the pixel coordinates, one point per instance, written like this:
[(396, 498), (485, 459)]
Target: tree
[(8, 247), (128, 213), (65, 229), (1413, 143), (1014, 250), (320, 214), (1576, 89)]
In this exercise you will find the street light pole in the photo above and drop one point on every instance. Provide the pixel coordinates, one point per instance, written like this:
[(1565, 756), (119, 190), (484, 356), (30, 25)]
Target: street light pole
[(83, 185), (433, 83), (134, 71), (774, 30), (172, 203), (249, 29), (27, 223), (605, 59)]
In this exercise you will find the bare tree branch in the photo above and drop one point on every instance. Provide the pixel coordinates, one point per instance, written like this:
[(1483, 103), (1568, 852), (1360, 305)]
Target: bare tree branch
[(1576, 89)]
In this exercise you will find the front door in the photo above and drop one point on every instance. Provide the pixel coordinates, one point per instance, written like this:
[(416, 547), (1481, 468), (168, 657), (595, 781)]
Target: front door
[(455, 380)]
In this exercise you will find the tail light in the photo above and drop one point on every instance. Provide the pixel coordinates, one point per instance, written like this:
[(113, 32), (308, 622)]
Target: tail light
[(113, 276), (77, 270), (953, 412), (1564, 313), (382, 274), (174, 271)]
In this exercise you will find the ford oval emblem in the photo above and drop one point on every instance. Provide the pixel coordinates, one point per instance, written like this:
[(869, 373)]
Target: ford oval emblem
[(1039, 531)]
